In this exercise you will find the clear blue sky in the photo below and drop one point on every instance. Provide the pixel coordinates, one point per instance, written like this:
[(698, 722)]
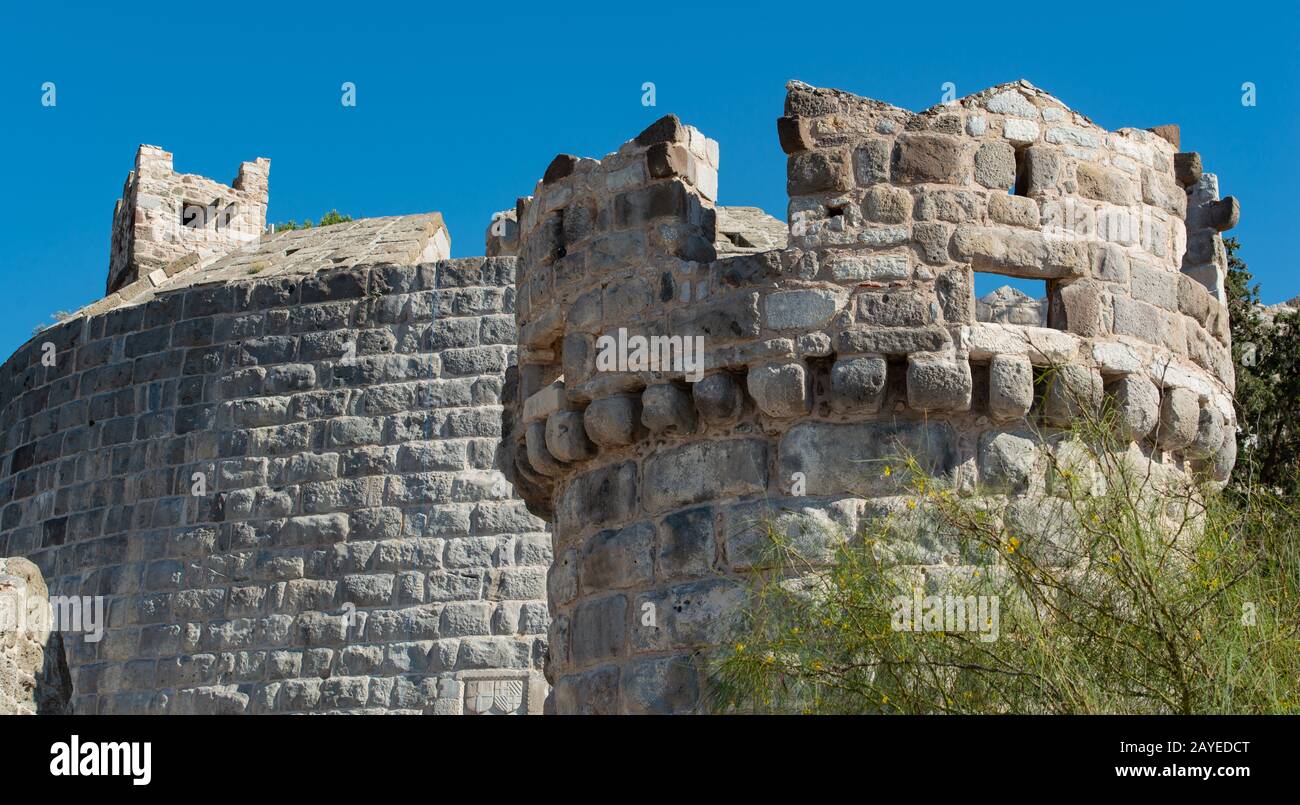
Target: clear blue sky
[(461, 106)]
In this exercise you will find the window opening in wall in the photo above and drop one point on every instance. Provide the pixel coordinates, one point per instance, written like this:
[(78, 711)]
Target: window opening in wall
[(194, 215), (225, 214), (1010, 300), (1021, 185)]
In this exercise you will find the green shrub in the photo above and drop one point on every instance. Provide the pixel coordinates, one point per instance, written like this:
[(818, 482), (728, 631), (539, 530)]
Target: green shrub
[(328, 219), (1130, 590)]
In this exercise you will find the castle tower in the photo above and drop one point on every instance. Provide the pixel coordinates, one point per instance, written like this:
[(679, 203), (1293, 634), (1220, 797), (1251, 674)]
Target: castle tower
[(165, 217), (826, 357)]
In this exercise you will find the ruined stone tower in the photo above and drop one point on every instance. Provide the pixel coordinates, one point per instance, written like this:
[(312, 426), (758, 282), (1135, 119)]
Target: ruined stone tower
[(168, 221), (824, 357)]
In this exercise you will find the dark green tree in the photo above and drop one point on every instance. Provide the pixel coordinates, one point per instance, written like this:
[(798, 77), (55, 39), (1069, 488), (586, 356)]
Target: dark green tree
[(1266, 351)]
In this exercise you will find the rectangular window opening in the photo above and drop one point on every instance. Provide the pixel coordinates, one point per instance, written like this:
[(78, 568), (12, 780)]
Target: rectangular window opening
[(194, 215), (1010, 300)]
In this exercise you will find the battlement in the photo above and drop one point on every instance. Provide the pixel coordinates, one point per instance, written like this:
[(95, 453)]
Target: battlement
[(164, 217)]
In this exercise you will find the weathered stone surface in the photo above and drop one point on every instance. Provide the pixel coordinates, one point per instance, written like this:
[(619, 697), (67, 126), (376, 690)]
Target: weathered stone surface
[(811, 528), (701, 472), (820, 171), (566, 438), (1210, 434), (1180, 419), (615, 559), (929, 158), (858, 384), (600, 497), (1072, 392), (1103, 184), (995, 165), (938, 383), (1008, 462), (780, 390), (613, 421), (1011, 386), (1137, 405), (718, 398), (692, 615), (850, 458), (800, 310), (666, 408)]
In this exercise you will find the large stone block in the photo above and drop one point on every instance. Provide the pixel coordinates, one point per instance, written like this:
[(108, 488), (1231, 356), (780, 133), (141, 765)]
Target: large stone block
[(601, 497), (822, 171), (930, 158), (1011, 386), (694, 615), (598, 630), (780, 390), (1137, 405), (1008, 462), (1073, 392), (566, 437), (666, 408), (850, 458), (938, 383), (1180, 419), (701, 472), (613, 421), (615, 559), (858, 384), (718, 398), (995, 165)]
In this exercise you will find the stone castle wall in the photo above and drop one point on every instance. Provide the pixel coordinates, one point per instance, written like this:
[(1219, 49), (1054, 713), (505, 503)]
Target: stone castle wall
[(828, 358), (285, 487)]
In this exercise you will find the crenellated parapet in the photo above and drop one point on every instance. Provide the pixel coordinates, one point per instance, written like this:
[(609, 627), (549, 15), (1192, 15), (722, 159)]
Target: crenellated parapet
[(817, 362)]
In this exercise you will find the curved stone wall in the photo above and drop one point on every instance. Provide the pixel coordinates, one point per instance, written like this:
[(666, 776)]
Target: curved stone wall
[(286, 491), (824, 359)]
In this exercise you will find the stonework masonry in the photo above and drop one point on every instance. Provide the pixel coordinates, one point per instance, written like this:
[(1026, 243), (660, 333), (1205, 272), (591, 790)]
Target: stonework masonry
[(166, 221), (830, 355), (285, 485), (338, 471)]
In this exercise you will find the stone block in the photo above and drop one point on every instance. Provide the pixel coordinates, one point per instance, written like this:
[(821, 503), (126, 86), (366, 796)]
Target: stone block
[(613, 421), (850, 458), (1180, 419), (598, 630), (938, 383), (825, 170), (780, 390), (1008, 461), (858, 384), (566, 437), (1011, 386), (930, 158), (666, 408), (618, 558), (702, 472), (799, 310), (995, 165), (685, 545), (1073, 391), (887, 205), (718, 398)]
